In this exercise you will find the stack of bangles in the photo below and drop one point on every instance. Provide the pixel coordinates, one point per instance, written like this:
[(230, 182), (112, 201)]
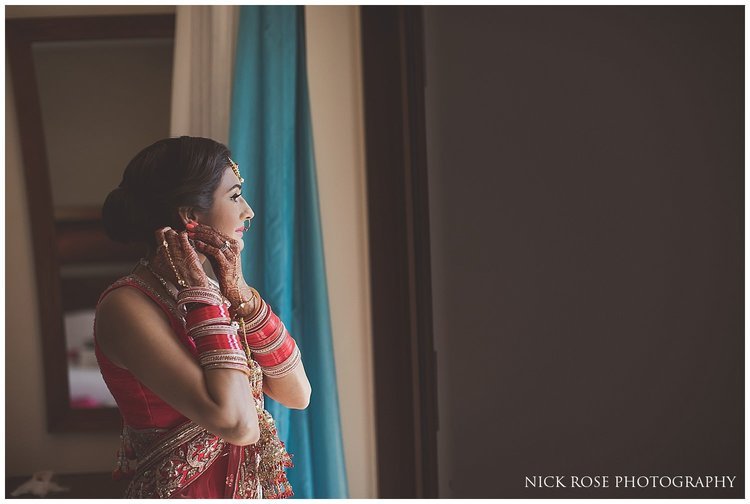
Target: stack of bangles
[(209, 325), (272, 346)]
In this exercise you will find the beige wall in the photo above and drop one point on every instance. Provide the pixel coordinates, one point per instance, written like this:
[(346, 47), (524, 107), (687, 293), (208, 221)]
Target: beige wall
[(334, 74), (335, 94)]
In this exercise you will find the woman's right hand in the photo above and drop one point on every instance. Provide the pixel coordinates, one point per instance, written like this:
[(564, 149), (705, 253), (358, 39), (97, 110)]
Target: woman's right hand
[(176, 259), (223, 253)]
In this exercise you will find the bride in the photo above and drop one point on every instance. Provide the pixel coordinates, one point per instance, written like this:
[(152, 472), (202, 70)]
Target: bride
[(187, 358)]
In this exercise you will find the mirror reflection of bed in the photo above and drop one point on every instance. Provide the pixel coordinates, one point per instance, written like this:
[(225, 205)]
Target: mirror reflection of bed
[(87, 389)]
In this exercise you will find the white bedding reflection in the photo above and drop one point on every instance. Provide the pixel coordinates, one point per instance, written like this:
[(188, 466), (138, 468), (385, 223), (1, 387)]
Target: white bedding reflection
[(87, 387)]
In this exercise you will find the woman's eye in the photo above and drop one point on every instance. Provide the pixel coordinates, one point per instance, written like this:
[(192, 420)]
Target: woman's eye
[(234, 198)]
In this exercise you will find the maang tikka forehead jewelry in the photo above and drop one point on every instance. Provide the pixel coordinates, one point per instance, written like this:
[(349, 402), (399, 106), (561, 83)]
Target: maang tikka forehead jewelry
[(236, 169)]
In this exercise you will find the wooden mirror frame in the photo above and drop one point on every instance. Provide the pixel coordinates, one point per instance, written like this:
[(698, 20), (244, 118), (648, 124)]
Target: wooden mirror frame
[(20, 35)]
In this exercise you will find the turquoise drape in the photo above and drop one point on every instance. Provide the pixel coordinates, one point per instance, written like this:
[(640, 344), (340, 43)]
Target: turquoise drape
[(271, 140)]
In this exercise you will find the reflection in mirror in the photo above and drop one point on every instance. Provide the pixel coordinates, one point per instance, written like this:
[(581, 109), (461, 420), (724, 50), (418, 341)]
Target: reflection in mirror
[(101, 102)]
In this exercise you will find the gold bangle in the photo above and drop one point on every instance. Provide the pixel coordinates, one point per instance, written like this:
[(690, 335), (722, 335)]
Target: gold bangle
[(253, 296), (259, 318), (228, 365)]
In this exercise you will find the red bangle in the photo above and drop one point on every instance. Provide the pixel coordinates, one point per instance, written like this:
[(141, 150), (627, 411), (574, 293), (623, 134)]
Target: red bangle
[(258, 318), (267, 330), (218, 342), (272, 342), (197, 315), (277, 356), (258, 325)]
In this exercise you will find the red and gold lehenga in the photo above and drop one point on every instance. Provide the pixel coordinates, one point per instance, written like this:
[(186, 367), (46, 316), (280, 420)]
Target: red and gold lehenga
[(167, 455)]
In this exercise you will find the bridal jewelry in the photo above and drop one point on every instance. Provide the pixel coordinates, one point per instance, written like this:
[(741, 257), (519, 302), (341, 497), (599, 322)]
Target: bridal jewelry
[(236, 169), (166, 283), (180, 281), (161, 279)]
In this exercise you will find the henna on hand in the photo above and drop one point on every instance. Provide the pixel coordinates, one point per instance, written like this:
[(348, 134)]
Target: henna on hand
[(177, 260), (224, 260)]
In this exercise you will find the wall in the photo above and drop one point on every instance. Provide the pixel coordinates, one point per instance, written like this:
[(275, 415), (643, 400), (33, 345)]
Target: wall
[(333, 62), (335, 95), (585, 171)]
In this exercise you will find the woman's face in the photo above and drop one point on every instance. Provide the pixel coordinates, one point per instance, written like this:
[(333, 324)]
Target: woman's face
[(229, 211)]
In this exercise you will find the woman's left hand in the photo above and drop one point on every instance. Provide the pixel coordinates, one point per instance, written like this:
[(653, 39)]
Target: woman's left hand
[(224, 259)]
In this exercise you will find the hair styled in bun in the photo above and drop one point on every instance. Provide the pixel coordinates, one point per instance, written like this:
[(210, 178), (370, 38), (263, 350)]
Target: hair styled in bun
[(167, 175)]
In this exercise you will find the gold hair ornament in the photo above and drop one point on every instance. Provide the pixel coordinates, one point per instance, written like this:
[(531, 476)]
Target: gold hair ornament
[(236, 169)]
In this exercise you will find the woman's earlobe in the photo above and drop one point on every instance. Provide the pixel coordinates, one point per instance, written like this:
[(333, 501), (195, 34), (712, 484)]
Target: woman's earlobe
[(186, 215)]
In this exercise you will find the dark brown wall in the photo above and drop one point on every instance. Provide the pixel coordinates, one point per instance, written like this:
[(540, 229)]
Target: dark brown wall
[(586, 218)]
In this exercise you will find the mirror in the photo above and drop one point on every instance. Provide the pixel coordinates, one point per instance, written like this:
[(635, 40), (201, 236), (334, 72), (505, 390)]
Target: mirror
[(90, 92)]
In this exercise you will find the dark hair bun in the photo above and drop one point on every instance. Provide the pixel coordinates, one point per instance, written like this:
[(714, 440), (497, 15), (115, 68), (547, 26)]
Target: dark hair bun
[(168, 174), (124, 217)]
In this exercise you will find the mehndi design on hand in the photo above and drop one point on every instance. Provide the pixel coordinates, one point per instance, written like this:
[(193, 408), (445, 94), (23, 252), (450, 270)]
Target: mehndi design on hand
[(225, 260), (176, 259)]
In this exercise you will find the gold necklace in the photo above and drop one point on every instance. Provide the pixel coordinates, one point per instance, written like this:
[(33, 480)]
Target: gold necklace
[(161, 279), (213, 284)]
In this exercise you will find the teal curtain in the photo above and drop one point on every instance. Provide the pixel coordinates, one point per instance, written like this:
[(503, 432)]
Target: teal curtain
[(271, 140)]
